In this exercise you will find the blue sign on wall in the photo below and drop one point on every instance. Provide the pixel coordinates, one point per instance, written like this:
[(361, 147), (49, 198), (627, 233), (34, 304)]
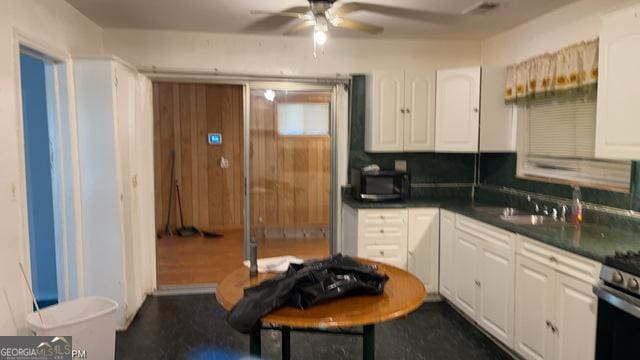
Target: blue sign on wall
[(215, 139)]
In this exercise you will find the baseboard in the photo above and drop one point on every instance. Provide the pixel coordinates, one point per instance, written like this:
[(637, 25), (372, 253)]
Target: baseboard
[(190, 289)]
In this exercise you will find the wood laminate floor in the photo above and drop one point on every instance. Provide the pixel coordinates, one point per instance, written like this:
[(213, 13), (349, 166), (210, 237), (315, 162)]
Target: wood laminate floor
[(200, 260)]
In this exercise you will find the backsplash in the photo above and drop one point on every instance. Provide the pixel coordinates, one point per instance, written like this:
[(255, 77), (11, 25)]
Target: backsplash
[(497, 173), (439, 175)]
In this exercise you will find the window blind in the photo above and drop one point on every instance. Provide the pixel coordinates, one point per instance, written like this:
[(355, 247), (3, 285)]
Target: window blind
[(561, 142)]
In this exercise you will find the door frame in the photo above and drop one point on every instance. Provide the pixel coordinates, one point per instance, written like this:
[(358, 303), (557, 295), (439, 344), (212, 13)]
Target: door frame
[(65, 181), (292, 85), (339, 138)]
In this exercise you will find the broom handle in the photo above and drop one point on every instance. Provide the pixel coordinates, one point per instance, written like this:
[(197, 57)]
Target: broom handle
[(179, 204), (33, 297)]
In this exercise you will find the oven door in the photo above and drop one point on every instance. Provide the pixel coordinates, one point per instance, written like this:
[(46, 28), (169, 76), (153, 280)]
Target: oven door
[(618, 335)]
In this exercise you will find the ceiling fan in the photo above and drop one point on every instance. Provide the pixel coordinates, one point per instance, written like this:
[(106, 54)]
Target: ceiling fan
[(321, 14)]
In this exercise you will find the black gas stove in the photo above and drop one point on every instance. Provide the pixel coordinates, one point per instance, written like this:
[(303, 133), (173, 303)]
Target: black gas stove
[(619, 308)]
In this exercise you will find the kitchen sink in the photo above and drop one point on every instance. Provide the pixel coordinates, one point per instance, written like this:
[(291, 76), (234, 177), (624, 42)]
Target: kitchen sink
[(532, 220), (501, 211)]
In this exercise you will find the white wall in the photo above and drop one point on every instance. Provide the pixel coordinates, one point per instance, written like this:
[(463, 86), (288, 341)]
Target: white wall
[(54, 24), (568, 25), (276, 55)]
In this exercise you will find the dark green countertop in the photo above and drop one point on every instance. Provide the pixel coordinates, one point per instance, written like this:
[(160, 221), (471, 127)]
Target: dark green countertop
[(591, 240)]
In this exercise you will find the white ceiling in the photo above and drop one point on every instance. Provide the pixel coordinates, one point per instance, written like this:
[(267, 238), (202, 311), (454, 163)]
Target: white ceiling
[(232, 16)]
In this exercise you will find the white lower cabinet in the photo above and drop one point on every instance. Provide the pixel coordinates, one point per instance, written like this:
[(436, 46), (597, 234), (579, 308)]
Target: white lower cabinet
[(534, 301), (447, 253), (477, 273), (466, 270), (406, 238), (423, 246), (556, 312)]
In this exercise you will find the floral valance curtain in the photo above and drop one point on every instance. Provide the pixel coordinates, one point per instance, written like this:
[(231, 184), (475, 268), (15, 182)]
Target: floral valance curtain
[(573, 67)]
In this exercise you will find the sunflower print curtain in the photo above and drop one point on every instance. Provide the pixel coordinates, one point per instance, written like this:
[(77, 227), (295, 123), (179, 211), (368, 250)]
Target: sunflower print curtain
[(572, 68)]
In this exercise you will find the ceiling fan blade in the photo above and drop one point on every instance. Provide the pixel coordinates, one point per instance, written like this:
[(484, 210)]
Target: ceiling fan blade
[(411, 14), (359, 25), (276, 20), (300, 27), (287, 13)]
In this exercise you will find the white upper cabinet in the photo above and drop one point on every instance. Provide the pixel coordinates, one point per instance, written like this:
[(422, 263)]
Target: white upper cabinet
[(458, 110), (400, 112), (384, 128), (419, 117), (498, 130), (617, 125)]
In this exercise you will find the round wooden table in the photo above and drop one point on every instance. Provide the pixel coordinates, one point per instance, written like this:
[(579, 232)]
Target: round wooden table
[(403, 294)]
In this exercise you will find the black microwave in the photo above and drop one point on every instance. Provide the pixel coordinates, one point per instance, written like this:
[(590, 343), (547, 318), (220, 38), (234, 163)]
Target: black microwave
[(380, 185)]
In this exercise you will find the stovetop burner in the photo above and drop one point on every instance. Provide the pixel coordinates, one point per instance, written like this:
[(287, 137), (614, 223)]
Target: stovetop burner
[(628, 262)]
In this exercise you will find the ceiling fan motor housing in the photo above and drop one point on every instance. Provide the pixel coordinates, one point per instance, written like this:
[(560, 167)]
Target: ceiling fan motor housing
[(320, 6)]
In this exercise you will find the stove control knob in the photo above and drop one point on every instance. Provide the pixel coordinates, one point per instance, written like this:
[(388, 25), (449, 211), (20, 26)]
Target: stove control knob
[(633, 285), (617, 278)]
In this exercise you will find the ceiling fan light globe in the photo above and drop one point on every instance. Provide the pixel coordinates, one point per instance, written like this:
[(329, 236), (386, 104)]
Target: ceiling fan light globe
[(320, 37)]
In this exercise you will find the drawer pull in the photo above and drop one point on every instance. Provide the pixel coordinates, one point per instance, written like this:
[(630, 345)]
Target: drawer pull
[(382, 231), (381, 252), (477, 283), (553, 259), (382, 217)]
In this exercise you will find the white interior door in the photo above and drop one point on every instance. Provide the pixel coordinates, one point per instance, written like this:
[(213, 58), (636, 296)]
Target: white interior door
[(458, 110), (419, 117), (534, 309), (385, 121)]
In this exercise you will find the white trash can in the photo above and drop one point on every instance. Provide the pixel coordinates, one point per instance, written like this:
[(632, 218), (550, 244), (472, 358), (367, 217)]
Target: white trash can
[(91, 321)]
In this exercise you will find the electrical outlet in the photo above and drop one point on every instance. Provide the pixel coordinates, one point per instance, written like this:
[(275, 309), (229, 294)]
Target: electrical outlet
[(401, 165)]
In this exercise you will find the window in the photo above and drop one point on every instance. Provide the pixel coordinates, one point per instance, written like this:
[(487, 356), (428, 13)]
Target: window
[(303, 118), (557, 142)]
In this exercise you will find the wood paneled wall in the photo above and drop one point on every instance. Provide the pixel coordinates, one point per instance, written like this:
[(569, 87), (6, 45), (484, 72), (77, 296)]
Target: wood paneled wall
[(290, 175), (212, 197)]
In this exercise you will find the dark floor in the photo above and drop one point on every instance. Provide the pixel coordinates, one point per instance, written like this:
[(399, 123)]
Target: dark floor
[(193, 327)]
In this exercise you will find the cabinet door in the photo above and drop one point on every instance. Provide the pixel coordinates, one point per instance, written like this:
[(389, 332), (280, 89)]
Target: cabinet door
[(423, 246), (575, 319), (496, 303), (384, 128), (458, 110), (447, 254), (419, 106), (534, 309), (617, 125), (467, 281)]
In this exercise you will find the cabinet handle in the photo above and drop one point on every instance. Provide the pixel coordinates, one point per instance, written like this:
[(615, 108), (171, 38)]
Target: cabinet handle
[(382, 217), (553, 259), (382, 231), (549, 324), (402, 111), (381, 252), (477, 283), (475, 110), (407, 111)]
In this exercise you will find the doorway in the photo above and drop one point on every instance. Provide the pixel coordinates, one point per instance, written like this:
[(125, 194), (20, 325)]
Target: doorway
[(38, 115), (290, 177), (198, 155)]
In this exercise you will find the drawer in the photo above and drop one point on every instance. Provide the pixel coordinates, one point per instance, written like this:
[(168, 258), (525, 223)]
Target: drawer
[(492, 236), (563, 261), (392, 254), (383, 217)]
